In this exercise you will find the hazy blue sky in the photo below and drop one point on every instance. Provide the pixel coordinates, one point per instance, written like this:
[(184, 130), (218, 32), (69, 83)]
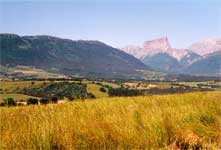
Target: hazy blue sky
[(115, 22)]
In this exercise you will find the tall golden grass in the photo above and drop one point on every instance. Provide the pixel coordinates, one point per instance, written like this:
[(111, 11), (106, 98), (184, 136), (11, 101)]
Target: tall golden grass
[(144, 122)]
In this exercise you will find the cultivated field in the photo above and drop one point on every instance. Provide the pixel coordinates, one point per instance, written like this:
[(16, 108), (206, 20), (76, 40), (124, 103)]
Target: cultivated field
[(145, 122)]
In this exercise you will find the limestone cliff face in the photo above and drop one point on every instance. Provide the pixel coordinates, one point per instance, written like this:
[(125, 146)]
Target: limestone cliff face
[(206, 46), (153, 47), (160, 55)]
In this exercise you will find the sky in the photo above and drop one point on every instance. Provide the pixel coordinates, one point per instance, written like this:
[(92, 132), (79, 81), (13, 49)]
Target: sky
[(115, 22)]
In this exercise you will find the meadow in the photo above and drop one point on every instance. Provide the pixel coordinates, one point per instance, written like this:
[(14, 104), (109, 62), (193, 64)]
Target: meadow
[(191, 120), (14, 89)]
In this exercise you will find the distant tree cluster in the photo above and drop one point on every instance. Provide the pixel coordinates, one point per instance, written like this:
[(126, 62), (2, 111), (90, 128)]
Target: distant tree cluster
[(59, 90), (51, 93), (9, 102), (30, 101), (124, 92)]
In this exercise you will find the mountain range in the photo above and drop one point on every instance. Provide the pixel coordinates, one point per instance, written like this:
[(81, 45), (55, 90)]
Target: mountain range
[(201, 58), (94, 59), (68, 57), (206, 46)]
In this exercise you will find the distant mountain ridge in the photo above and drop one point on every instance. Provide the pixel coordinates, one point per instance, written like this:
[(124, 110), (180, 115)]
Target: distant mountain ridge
[(159, 55), (81, 58), (97, 60), (209, 64), (153, 47), (162, 62), (206, 46)]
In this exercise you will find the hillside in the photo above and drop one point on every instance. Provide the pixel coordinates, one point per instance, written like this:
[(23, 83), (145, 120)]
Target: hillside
[(162, 62), (208, 65), (63, 56)]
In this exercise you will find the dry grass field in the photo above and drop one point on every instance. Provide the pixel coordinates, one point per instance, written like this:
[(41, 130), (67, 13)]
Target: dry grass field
[(146, 122)]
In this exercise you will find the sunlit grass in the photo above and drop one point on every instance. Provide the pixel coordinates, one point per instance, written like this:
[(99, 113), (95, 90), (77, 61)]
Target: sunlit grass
[(113, 123), (16, 97), (14, 86), (95, 89)]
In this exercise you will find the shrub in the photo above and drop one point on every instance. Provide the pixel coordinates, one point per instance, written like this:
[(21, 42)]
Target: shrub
[(2, 104), (10, 102), (90, 95), (124, 92), (32, 101), (70, 98), (54, 100), (102, 89), (44, 101)]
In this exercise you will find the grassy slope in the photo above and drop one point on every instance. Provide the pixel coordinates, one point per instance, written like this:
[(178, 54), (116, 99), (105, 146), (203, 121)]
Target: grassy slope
[(28, 71), (14, 86), (95, 89), (10, 89), (194, 84), (16, 97), (133, 122)]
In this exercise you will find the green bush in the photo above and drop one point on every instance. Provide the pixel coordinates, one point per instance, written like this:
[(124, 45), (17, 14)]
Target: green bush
[(90, 95), (2, 104), (44, 101), (124, 92), (32, 101), (54, 100), (10, 102), (70, 98), (102, 89)]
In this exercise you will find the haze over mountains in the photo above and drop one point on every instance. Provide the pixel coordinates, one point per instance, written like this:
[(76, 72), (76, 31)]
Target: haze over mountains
[(201, 58)]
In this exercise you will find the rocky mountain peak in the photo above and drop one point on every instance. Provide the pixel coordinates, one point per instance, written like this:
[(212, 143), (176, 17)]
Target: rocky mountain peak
[(157, 44), (206, 46)]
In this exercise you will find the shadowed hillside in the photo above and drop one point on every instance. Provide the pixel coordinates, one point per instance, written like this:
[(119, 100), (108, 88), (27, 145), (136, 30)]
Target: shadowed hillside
[(79, 58)]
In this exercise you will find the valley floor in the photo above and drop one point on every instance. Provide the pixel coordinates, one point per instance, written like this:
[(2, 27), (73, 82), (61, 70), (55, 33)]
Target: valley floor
[(190, 120)]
